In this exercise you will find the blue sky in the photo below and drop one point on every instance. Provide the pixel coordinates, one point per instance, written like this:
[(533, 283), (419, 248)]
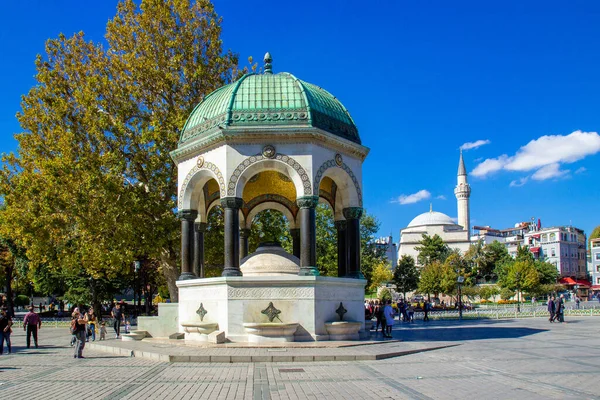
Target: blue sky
[(420, 79)]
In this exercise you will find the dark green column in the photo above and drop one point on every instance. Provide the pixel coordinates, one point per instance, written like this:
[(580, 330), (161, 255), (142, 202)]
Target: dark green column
[(231, 210), (244, 235), (352, 215), (340, 226), (187, 218), (295, 233), (198, 264), (308, 235)]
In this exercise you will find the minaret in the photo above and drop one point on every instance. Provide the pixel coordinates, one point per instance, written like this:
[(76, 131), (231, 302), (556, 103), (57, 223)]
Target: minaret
[(462, 193)]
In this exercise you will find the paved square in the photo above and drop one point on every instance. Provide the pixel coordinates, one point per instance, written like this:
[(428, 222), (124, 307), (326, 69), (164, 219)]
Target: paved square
[(513, 359)]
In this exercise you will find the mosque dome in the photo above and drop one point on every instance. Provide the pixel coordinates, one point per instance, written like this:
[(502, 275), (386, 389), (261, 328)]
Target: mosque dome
[(431, 218), (270, 259), (269, 101)]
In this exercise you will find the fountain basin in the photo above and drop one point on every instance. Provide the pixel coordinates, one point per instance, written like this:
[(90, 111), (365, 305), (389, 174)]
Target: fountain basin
[(343, 330), (270, 332), (197, 330)]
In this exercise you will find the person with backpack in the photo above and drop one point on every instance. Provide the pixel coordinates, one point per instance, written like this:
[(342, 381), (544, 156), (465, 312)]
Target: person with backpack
[(78, 327)]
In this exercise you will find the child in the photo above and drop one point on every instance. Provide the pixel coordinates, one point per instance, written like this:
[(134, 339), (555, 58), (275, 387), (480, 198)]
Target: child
[(103, 330), (127, 326)]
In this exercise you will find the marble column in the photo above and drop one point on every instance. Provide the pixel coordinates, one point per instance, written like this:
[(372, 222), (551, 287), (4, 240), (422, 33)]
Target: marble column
[(231, 210), (244, 235), (352, 215), (308, 235), (198, 264), (342, 254), (295, 233), (187, 218)]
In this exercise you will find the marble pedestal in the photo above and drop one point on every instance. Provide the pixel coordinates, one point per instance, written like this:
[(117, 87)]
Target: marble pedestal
[(309, 301)]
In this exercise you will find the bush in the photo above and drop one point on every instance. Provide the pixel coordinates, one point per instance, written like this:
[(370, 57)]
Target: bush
[(507, 301), (385, 294), (21, 300), (506, 294)]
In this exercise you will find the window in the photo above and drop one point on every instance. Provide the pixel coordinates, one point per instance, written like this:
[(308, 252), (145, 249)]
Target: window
[(597, 256), (598, 280), (553, 252), (552, 237)]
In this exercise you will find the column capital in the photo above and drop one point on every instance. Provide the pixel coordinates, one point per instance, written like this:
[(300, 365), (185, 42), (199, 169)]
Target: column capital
[(353, 212), (245, 233), (307, 201), (340, 225), (200, 226), (188, 215), (232, 202)]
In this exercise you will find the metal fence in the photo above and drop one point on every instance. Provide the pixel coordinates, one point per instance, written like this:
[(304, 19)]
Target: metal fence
[(64, 322), (505, 313)]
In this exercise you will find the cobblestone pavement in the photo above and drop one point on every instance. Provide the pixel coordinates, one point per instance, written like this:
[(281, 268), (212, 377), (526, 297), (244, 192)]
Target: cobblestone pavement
[(523, 359)]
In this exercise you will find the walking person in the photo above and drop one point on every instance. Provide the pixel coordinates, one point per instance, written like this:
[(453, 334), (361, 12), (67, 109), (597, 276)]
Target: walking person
[(117, 314), (92, 322), (560, 309), (31, 324), (378, 315), (388, 316), (577, 300), (551, 309), (78, 327), (5, 331), (425, 311)]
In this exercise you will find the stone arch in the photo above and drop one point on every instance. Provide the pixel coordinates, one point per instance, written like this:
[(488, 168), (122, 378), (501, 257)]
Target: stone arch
[(280, 162), (190, 193), (345, 179), (270, 205)]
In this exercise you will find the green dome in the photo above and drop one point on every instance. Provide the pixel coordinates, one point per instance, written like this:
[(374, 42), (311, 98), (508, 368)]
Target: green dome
[(269, 100)]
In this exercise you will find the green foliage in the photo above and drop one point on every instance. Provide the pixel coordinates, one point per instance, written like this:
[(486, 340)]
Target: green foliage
[(326, 241), (370, 254), (406, 275), (270, 226), (384, 294), (594, 235), (506, 293), (523, 254), (431, 248), (92, 185), (430, 281), (471, 292), (381, 274), (214, 243), (548, 274), (485, 292), (21, 300)]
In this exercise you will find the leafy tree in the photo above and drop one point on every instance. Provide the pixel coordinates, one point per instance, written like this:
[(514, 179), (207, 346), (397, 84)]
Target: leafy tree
[(471, 292), (431, 278), (381, 274), (406, 275), (520, 276), (384, 294), (326, 241), (523, 254), (431, 248), (485, 292), (496, 255), (214, 243), (477, 257), (548, 274), (270, 226), (594, 235), (92, 184), (370, 254), (506, 293)]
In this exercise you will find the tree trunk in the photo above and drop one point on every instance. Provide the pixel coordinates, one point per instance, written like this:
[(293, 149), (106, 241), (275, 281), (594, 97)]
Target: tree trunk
[(171, 272), (8, 272)]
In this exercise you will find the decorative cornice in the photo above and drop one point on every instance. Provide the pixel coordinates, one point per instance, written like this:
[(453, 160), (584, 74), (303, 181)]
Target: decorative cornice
[(219, 136), (232, 202), (353, 213), (307, 201), (189, 215)]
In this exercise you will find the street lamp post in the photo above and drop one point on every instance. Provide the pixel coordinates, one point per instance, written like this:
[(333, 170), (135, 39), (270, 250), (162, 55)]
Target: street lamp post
[(137, 265), (460, 280)]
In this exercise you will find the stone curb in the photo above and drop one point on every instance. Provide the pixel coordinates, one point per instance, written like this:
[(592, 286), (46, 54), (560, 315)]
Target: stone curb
[(352, 356)]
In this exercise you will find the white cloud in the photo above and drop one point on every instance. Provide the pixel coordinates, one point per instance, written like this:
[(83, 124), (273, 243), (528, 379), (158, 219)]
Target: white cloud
[(545, 155), (581, 170), (440, 197), (549, 171), (413, 198), (474, 145), (519, 182)]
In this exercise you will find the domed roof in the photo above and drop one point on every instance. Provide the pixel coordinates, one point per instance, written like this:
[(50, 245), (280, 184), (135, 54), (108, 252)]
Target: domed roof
[(270, 100), (431, 218), (270, 259)]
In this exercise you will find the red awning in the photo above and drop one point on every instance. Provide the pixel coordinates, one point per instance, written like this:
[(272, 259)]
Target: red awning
[(568, 281), (534, 249), (595, 287)]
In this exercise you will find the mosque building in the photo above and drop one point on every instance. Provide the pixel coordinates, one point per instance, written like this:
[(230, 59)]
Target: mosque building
[(455, 235)]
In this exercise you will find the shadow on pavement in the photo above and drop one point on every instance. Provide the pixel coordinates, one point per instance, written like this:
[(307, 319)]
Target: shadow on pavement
[(449, 334)]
